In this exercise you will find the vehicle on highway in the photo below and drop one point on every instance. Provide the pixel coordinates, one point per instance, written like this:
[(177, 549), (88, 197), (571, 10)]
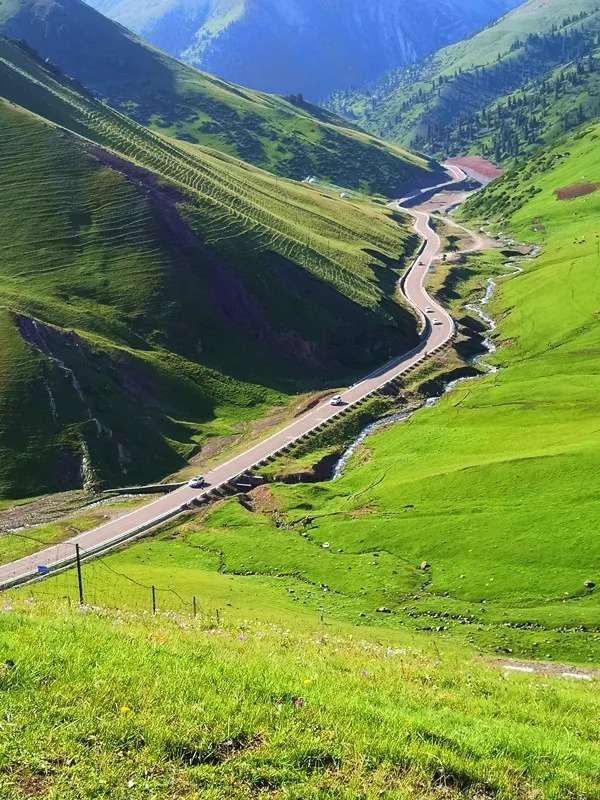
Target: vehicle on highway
[(429, 310), (197, 482), (336, 400), (421, 264), (437, 322)]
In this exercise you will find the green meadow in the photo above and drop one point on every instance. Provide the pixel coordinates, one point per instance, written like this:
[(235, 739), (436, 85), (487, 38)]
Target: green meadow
[(130, 705), (348, 639), (288, 137)]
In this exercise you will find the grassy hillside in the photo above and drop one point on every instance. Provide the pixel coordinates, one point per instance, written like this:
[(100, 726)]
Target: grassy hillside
[(291, 139), (495, 487), (519, 84), (130, 706), (156, 293)]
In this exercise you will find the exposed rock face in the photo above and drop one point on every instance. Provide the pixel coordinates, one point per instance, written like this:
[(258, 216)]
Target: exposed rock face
[(308, 46)]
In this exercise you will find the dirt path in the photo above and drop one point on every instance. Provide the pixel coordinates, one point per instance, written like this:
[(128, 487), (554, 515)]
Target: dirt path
[(480, 241), (546, 668)]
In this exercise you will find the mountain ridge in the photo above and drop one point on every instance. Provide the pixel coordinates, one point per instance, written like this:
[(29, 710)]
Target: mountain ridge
[(517, 85), (290, 138), (311, 47)]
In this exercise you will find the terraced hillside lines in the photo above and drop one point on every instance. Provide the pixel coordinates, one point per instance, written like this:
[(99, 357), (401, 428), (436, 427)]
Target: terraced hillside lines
[(520, 84), (89, 247), (291, 139), (94, 258), (224, 187), (495, 487), (171, 293)]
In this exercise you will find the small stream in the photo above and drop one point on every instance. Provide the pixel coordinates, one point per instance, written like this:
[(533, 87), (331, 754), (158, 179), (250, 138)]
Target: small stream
[(477, 308), (478, 361)]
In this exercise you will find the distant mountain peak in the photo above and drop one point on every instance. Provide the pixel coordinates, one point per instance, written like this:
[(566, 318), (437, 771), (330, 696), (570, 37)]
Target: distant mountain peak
[(309, 46)]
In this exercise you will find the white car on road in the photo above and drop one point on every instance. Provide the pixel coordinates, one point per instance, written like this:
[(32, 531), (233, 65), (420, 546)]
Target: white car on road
[(437, 322), (197, 482), (336, 400)]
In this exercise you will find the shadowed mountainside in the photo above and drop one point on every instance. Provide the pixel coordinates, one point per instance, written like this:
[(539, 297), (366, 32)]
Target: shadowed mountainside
[(309, 46), (505, 92)]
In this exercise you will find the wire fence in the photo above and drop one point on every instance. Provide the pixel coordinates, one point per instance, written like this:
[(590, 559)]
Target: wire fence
[(96, 583), (134, 581), (76, 577)]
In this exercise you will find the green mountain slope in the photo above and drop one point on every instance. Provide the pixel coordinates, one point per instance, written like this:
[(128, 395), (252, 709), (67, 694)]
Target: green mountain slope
[(519, 84), (155, 293), (292, 139), (496, 487)]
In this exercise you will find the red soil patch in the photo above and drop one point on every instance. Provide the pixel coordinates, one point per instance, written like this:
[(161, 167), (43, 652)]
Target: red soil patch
[(577, 190), (480, 167)]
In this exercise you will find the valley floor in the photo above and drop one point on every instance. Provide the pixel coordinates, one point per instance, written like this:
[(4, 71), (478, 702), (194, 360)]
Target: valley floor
[(371, 636), (462, 487)]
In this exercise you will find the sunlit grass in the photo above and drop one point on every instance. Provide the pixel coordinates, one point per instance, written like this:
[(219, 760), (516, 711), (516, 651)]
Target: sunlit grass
[(201, 292), (129, 706)]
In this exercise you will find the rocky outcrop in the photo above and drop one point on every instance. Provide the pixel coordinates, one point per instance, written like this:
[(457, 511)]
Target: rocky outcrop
[(75, 465)]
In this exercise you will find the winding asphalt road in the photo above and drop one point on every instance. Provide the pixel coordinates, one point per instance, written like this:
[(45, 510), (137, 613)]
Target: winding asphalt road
[(128, 526)]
